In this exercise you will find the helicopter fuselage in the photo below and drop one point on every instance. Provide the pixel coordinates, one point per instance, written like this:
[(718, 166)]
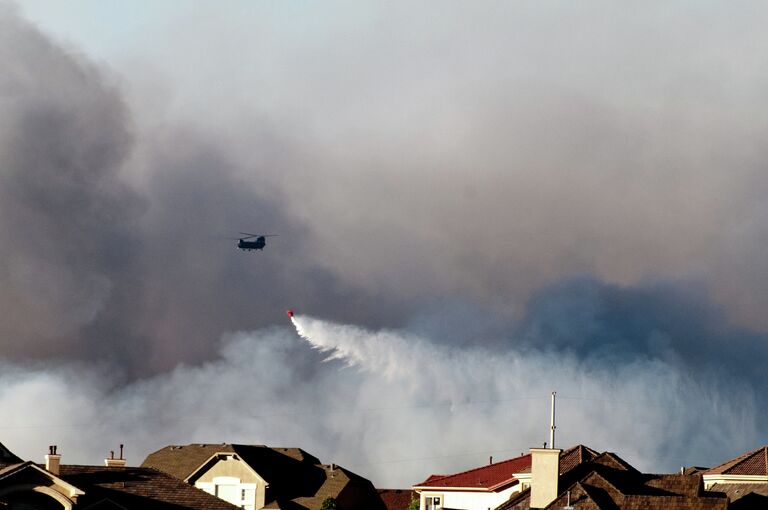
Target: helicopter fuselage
[(258, 244)]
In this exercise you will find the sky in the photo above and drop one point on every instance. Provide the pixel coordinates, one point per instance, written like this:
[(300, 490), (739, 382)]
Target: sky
[(476, 204)]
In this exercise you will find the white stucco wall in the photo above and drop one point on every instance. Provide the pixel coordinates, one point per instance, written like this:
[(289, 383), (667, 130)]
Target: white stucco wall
[(470, 500)]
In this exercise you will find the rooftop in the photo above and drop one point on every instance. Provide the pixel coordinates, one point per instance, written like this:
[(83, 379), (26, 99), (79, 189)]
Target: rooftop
[(754, 463), (491, 477)]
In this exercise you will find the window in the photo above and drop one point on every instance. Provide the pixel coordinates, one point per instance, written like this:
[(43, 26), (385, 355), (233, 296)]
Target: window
[(227, 492), (232, 490), (433, 503)]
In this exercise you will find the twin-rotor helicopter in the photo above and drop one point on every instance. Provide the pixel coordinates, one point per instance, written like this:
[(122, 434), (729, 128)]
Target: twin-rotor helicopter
[(258, 243)]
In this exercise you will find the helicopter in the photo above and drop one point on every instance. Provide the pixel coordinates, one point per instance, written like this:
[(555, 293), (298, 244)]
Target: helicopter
[(261, 240)]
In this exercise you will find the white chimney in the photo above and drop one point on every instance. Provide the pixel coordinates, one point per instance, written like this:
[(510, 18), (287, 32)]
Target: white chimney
[(545, 471), (52, 460), (112, 461)]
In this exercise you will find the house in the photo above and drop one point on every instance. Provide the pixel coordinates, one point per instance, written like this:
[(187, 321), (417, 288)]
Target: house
[(605, 482), (490, 485), (568, 459), (25, 484), (478, 488), (257, 476), (744, 480)]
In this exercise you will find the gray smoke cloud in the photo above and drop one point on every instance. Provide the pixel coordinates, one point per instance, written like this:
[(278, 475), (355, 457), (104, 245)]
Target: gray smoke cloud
[(113, 242), (67, 220), (397, 406), (438, 171)]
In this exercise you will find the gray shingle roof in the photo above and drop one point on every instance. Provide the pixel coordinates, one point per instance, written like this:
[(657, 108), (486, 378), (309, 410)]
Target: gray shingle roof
[(138, 488)]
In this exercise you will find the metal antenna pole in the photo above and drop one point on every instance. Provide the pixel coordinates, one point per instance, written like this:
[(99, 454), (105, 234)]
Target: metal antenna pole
[(552, 423)]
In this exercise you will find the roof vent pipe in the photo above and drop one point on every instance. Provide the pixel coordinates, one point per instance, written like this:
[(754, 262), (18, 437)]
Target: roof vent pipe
[(568, 504), (112, 461)]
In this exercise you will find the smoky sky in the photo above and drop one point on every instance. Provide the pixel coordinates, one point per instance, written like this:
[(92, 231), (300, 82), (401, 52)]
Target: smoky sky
[(521, 181), (96, 267)]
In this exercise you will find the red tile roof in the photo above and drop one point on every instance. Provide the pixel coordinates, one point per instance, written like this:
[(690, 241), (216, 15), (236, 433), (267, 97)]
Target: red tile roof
[(490, 477), (750, 463)]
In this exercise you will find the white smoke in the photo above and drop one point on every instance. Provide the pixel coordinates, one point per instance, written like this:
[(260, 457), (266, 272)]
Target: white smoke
[(390, 405), (479, 400)]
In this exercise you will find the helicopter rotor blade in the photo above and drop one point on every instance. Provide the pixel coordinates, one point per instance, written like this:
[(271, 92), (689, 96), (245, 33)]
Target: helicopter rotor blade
[(259, 235)]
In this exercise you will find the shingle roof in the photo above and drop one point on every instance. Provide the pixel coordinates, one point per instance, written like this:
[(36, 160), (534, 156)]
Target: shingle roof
[(137, 488), (750, 463), (575, 456), (607, 482), (736, 491), (7, 457), (296, 479), (490, 477), (397, 499), (571, 458), (350, 491), (181, 461)]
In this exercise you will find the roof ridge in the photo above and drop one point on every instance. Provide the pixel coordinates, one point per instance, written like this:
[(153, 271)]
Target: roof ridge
[(585, 481)]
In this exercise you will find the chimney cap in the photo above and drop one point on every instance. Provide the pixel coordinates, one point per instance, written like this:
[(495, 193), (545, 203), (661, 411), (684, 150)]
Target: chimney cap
[(111, 461)]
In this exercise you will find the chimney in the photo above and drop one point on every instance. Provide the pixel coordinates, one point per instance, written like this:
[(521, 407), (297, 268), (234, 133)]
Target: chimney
[(112, 461), (545, 471), (52, 460)]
